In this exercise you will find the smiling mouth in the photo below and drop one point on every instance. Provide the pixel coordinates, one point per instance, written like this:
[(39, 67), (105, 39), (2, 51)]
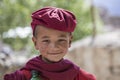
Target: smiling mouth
[(54, 53)]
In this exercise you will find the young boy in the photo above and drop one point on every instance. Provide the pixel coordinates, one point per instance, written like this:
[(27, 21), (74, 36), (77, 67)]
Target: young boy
[(52, 35)]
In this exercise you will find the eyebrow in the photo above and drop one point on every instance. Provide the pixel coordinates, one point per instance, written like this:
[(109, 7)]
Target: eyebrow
[(64, 36), (45, 37)]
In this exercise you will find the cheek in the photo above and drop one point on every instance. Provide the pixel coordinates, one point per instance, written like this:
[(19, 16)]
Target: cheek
[(64, 46), (43, 48)]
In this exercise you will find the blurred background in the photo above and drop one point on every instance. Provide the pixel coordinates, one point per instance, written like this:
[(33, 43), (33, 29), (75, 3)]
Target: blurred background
[(96, 42)]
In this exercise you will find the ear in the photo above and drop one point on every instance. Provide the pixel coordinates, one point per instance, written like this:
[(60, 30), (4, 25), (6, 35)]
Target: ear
[(35, 42), (70, 41)]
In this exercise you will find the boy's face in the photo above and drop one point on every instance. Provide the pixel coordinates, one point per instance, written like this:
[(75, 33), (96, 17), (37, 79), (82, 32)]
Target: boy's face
[(52, 44)]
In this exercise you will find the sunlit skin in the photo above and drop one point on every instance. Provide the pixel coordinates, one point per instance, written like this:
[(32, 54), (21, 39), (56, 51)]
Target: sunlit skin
[(52, 44)]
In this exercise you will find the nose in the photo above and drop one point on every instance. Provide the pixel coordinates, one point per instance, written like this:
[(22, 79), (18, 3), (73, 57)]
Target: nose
[(54, 47)]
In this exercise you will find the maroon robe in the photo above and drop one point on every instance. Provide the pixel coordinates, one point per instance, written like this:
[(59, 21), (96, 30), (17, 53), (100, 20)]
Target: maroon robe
[(62, 70)]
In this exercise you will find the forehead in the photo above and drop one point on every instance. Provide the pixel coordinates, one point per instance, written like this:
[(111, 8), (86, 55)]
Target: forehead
[(44, 31)]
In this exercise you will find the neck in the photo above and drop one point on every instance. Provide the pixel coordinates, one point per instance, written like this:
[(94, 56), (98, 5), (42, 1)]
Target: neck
[(48, 61)]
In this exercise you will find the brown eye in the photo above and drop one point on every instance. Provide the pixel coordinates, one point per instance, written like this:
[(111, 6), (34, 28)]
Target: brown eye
[(46, 41), (62, 40)]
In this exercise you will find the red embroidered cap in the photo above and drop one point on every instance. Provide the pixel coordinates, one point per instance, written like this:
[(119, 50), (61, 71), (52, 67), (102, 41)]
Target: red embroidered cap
[(55, 18)]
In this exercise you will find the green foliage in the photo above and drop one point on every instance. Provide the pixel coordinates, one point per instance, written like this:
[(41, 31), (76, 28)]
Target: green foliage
[(14, 13), (84, 23)]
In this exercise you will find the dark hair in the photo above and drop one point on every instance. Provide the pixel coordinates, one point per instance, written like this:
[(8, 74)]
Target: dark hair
[(35, 31)]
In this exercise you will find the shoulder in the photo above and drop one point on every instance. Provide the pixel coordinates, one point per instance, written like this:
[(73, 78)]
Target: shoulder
[(70, 63), (84, 75), (66, 61), (33, 60)]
